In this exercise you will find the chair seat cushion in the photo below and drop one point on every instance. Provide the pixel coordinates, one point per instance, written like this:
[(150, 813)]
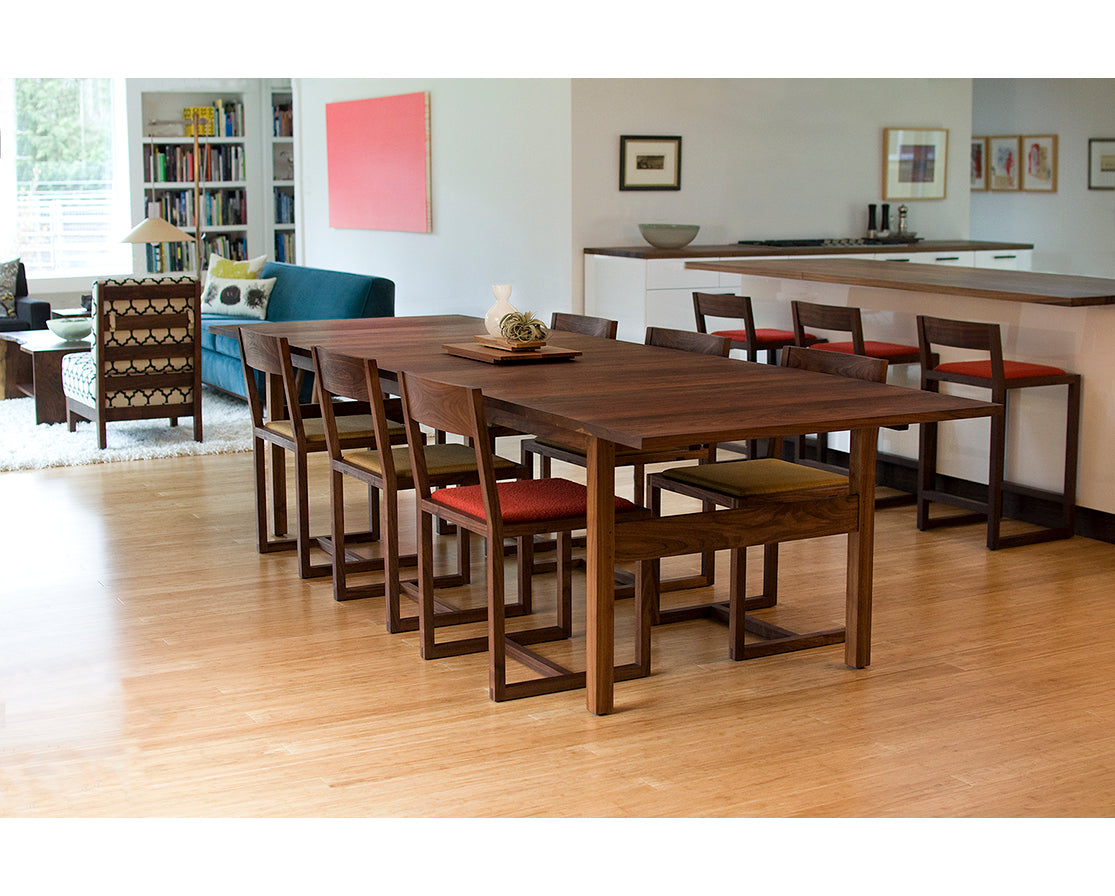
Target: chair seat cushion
[(452, 459), (353, 426), (1013, 370), (526, 500), (764, 336), (887, 350), (763, 476)]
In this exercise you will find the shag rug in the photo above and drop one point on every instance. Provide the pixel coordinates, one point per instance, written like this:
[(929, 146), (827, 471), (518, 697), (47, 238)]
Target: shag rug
[(226, 428)]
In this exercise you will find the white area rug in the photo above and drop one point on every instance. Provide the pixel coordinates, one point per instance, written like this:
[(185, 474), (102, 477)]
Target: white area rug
[(226, 427)]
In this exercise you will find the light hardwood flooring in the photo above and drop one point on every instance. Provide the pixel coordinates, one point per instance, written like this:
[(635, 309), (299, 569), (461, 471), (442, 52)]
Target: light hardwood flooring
[(153, 664)]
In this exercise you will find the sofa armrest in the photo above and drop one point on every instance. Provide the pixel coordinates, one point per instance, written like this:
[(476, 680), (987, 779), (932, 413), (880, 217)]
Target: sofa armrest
[(35, 312)]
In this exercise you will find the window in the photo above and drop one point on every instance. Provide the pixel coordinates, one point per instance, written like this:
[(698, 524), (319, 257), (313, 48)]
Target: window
[(63, 160)]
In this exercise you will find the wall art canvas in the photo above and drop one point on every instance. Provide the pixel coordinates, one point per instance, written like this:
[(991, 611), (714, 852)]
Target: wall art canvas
[(1039, 163), (378, 157), (915, 163), (1003, 163)]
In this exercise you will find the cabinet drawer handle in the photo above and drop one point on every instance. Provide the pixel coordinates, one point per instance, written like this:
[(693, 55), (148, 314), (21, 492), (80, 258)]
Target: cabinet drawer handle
[(898, 259), (1004, 256), (948, 258)]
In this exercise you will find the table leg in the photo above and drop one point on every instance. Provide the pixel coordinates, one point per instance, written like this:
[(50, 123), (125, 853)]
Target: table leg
[(600, 574), (861, 546), (50, 400)]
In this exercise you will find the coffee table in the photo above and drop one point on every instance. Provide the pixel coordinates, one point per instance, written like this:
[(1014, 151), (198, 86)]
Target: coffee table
[(36, 370)]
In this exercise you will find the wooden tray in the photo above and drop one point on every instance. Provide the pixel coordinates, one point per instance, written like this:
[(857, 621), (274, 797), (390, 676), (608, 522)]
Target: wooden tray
[(490, 355), (501, 343)]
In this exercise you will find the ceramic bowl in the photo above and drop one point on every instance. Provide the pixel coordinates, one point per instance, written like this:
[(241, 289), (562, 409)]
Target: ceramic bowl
[(70, 328), (669, 236)]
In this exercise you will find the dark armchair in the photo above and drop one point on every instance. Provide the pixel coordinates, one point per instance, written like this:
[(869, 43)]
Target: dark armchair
[(30, 314)]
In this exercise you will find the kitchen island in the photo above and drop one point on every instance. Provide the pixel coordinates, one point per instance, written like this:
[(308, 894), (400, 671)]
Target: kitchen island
[(1066, 321)]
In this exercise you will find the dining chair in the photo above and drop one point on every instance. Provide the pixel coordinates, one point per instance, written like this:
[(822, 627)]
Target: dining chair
[(388, 471), (1003, 378), (145, 362), (759, 482), (281, 421), (750, 339), (548, 450), (518, 509), (584, 324), (846, 319)]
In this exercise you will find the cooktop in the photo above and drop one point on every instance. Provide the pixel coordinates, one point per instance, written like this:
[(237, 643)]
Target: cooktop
[(854, 241)]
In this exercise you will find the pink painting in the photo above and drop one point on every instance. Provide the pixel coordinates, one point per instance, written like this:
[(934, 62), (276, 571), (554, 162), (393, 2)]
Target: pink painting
[(378, 153)]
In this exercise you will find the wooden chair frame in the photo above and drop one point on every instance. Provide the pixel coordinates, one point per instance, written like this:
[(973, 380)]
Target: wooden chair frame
[(119, 314), (584, 324), (734, 611), (460, 409), (986, 338), (754, 339), (281, 422), (342, 376), (843, 319)]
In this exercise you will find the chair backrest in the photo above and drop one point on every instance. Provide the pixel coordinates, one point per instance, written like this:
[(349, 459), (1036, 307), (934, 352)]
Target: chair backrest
[(963, 334), (343, 376), (708, 304), (688, 341), (839, 318), (453, 409), (268, 356), (146, 345), (835, 363), (584, 324)]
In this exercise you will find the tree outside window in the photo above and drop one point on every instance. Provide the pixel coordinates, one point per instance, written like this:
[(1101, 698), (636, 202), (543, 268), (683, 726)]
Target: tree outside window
[(69, 177)]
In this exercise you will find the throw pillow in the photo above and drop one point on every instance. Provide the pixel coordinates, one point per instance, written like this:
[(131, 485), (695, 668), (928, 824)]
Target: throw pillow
[(230, 270), (237, 297), (9, 270)]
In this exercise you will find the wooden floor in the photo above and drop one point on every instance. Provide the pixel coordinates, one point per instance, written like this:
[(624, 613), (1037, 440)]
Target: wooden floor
[(153, 664)]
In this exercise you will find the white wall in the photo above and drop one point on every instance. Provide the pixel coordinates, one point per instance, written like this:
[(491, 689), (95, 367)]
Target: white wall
[(501, 181), (764, 157), (1073, 229), (525, 174)]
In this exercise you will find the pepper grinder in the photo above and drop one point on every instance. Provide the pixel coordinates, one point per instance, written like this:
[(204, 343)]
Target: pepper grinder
[(871, 221), (884, 229), (902, 220)]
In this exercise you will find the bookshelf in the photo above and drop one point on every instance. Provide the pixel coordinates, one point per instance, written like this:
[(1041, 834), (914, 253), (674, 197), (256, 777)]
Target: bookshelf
[(279, 159), (247, 168)]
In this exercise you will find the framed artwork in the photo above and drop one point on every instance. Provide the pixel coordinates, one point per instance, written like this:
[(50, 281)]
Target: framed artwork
[(1002, 163), (915, 163), (1101, 164), (977, 169), (378, 162), (649, 163), (1039, 163)]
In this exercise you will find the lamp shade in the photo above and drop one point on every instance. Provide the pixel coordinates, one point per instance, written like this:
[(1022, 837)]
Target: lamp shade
[(157, 230)]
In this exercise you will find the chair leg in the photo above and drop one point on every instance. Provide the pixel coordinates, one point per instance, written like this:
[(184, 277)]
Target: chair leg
[(995, 473)]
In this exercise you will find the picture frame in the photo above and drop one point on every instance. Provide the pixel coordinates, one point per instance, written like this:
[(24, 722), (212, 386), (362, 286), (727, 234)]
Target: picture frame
[(649, 163), (1101, 163), (1003, 162), (1038, 157), (977, 168), (915, 163)]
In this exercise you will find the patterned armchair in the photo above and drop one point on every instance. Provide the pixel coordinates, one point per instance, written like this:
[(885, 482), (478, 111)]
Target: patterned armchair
[(146, 357)]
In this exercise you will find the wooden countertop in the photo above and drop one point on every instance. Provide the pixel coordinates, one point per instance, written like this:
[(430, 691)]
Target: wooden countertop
[(985, 283), (750, 250)]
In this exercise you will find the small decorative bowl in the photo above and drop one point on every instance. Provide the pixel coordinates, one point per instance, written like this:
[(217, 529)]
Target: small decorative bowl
[(669, 236), (70, 329)]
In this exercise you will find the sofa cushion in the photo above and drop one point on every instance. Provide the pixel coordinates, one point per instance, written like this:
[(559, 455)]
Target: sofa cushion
[(237, 297), (303, 293), (8, 272)]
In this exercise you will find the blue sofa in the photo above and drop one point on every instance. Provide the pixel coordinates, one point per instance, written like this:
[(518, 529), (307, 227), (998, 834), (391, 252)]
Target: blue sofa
[(299, 293)]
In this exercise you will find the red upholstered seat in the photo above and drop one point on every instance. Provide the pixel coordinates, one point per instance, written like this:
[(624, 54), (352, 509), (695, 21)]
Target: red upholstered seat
[(526, 500), (887, 350), (1012, 370), (763, 336)]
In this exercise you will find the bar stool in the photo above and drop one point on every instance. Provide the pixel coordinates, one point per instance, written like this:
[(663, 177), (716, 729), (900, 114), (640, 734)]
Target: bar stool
[(847, 319), (750, 339), (1001, 377)]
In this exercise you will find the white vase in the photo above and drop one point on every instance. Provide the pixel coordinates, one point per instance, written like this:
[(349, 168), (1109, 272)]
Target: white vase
[(499, 309)]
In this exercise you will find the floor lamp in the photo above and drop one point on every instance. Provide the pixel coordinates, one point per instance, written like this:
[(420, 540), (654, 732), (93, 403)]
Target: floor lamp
[(156, 229)]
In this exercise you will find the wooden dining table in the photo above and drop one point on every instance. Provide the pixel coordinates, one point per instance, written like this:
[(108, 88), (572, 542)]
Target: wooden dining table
[(617, 393)]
